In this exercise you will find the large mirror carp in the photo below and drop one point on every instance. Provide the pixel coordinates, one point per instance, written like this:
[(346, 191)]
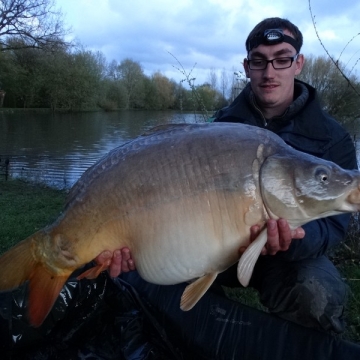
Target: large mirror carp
[(182, 198)]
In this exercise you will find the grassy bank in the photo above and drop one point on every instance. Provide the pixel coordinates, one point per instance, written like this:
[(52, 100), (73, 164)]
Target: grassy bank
[(25, 208)]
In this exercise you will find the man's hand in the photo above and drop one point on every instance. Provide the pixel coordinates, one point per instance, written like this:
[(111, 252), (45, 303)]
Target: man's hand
[(120, 261), (279, 236)]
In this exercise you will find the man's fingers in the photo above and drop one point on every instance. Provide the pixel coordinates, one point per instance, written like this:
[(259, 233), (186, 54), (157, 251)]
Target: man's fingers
[(279, 236), (254, 232), (298, 233), (131, 264), (125, 259), (285, 235), (272, 245), (127, 262), (115, 266), (104, 257), (117, 262)]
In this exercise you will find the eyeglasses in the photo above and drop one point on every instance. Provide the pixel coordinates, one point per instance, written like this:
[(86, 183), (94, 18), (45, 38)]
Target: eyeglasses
[(278, 63)]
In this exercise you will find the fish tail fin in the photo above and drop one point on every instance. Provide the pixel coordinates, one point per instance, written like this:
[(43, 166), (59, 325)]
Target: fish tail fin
[(16, 265), (19, 265), (44, 289)]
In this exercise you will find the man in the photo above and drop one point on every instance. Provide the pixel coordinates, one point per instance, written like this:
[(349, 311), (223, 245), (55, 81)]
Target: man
[(295, 280)]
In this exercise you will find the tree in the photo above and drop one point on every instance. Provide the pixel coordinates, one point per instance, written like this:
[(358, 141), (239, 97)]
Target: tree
[(56, 79), (56, 67), (21, 75), (131, 75), (73, 79), (182, 96), (35, 22), (114, 95), (238, 83), (210, 99), (335, 94), (112, 71), (224, 84), (164, 92), (212, 78)]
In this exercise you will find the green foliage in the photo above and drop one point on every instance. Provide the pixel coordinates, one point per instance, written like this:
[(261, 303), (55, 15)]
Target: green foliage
[(63, 77), (56, 79), (131, 76), (163, 94), (39, 69), (80, 79), (211, 98)]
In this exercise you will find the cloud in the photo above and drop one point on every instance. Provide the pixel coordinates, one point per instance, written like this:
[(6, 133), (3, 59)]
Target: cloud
[(208, 33)]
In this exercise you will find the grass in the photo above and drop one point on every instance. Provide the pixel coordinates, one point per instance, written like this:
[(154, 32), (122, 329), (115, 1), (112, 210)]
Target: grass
[(26, 208)]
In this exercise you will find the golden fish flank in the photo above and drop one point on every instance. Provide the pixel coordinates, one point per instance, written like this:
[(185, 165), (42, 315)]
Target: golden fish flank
[(183, 199)]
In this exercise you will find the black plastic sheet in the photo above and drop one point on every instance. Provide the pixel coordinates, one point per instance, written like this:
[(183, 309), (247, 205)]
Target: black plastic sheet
[(127, 318)]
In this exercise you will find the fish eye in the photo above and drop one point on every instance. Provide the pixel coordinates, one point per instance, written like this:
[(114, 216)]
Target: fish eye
[(322, 175)]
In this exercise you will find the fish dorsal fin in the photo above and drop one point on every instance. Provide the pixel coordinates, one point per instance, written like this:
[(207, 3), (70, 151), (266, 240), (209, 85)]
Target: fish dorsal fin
[(249, 257), (194, 292)]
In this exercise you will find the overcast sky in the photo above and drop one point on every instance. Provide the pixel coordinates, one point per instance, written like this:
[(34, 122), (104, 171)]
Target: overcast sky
[(208, 33)]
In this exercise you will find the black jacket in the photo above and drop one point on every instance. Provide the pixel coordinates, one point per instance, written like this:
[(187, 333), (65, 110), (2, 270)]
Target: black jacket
[(305, 127)]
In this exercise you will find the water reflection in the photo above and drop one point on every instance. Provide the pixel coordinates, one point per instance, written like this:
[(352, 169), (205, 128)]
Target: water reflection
[(58, 148)]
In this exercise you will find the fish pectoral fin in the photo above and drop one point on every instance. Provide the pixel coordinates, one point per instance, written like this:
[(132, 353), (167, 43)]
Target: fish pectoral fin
[(194, 292), (249, 257), (94, 271), (44, 289)]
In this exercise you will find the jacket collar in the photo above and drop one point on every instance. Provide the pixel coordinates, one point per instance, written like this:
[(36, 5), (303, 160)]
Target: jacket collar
[(301, 97), (303, 124)]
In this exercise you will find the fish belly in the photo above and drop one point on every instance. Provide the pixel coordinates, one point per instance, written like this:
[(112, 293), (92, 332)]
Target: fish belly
[(189, 237)]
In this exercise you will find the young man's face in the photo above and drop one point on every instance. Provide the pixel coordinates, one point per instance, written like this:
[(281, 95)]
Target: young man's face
[(274, 89)]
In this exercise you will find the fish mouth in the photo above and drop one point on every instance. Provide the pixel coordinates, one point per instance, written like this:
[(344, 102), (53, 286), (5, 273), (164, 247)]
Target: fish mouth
[(354, 198)]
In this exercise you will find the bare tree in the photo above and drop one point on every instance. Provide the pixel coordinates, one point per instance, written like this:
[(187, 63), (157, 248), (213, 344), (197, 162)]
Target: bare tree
[(336, 62), (335, 94), (112, 70), (238, 82), (212, 78), (224, 83), (35, 22)]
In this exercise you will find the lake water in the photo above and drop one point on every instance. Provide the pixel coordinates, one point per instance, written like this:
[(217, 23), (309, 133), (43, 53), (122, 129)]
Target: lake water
[(56, 149)]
